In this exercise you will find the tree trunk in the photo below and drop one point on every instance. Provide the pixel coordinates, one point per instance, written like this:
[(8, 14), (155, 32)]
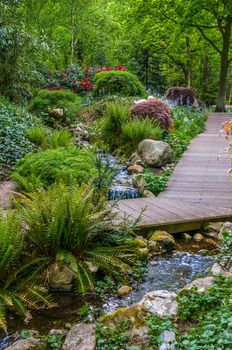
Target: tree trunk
[(189, 63), (224, 67)]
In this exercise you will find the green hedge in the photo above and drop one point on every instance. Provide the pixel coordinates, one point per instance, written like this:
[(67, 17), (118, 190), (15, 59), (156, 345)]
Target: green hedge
[(118, 82)]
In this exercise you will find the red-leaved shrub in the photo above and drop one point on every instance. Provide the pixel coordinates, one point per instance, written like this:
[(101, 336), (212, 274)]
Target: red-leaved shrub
[(156, 110), (182, 95)]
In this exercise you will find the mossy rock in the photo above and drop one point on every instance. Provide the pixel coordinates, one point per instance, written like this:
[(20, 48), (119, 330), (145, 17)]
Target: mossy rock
[(133, 314), (165, 240)]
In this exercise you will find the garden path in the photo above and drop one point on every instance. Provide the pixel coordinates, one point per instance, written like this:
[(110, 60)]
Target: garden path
[(199, 190)]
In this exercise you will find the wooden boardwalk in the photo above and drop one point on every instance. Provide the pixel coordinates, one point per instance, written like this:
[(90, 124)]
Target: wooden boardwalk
[(199, 190)]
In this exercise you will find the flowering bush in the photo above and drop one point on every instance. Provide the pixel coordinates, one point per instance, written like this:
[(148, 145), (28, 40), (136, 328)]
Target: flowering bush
[(80, 80), (118, 82), (156, 110), (181, 95)]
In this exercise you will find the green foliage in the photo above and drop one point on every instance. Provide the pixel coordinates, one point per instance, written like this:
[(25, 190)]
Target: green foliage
[(118, 82), (71, 165), (211, 316), (156, 183), (14, 141), (45, 101), (188, 124), (105, 286), (18, 275), (46, 138), (55, 341), (156, 327), (225, 255), (135, 131), (68, 225), (114, 338)]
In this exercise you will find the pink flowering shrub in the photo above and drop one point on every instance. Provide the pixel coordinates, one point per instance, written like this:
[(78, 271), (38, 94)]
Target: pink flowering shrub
[(156, 110), (76, 78)]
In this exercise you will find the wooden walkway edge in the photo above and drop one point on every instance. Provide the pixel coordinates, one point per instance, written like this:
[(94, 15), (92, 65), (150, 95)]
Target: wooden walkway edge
[(199, 190)]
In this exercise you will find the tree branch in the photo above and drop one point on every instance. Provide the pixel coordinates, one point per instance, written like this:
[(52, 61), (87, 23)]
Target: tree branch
[(206, 37)]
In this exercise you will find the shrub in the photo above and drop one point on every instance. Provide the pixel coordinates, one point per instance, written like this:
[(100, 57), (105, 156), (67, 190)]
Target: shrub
[(68, 225), (72, 165), (181, 95), (48, 138), (14, 141), (116, 115), (154, 109), (135, 131), (18, 290), (118, 82), (46, 101)]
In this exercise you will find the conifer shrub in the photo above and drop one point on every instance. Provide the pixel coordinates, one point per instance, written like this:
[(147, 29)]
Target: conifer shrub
[(46, 101), (183, 96), (156, 110), (118, 82), (71, 165)]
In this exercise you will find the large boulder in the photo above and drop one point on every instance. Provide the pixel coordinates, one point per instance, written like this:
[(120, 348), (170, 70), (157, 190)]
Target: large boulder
[(29, 344), (81, 337), (165, 240), (133, 314), (201, 284), (61, 277), (161, 302), (155, 153), (212, 229)]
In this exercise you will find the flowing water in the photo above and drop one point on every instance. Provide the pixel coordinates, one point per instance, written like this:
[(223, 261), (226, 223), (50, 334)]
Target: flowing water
[(171, 271)]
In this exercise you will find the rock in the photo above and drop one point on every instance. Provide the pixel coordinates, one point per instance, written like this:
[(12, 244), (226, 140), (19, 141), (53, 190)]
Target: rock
[(198, 237), (143, 252), (203, 252), (212, 229), (57, 112), (57, 332), (155, 153), (186, 236), (135, 159), (148, 194), (81, 337), (140, 241), (135, 169), (153, 262), (124, 291), (226, 228), (161, 302), (140, 336), (202, 284), (92, 268), (61, 277), (133, 314), (165, 240), (140, 183), (29, 344), (216, 269), (153, 246), (168, 340)]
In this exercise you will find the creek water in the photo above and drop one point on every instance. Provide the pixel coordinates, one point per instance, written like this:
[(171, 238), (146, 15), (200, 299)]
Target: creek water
[(170, 271)]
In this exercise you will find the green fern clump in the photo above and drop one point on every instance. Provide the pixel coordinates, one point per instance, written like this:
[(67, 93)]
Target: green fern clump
[(46, 138), (69, 225), (135, 131), (118, 82), (18, 289), (72, 165), (45, 101)]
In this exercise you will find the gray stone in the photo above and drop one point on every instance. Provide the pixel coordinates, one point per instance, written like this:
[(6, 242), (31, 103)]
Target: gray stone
[(61, 277), (29, 344), (168, 340), (57, 112), (201, 284), (148, 194), (155, 153), (161, 302), (140, 183), (212, 229), (81, 337), (164, 239), (57, 332), (186, 236), (198, 237), (216, 269), (140, 336)]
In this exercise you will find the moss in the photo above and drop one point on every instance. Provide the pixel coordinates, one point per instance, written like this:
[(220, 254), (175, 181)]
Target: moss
[(133, 314)]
